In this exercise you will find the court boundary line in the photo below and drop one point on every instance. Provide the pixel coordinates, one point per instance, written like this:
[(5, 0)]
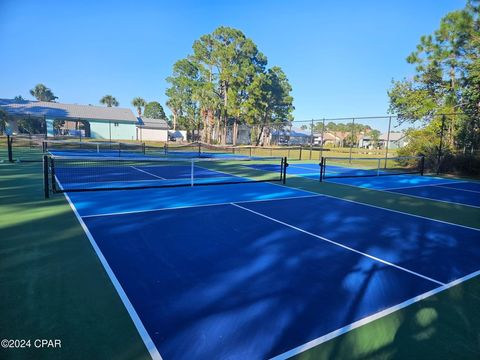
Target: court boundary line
[(196, 206), (417, 186), (385, 262), (453, 188), (383, 208), (366, 320), (427, 198), (148, 173), (142, 331)]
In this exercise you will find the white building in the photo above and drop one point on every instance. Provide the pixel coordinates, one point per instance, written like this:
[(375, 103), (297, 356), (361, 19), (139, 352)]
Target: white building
[(112, 123), (152, 129)]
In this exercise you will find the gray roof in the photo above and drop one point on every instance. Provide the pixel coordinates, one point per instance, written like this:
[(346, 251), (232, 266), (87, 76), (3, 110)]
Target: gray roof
[(394, 136), (292, 132), (152, 123), (66, 111)]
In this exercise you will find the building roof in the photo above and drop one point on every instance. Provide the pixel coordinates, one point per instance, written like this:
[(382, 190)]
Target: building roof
[(300, 133), (66, 111), (326, 136), (291, 133), (150, 123), (394, 136)]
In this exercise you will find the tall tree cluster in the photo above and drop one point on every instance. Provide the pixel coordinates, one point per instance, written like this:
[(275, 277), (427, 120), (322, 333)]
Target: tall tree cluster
[(225, 82), (446, 81)]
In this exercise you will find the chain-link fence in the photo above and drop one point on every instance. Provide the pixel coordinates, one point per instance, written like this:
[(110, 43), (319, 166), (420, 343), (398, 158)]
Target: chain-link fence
[(449, 142)]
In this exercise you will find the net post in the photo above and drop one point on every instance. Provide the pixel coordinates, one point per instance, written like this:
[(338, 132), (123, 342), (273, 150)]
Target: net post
[(46, 187), (191, 172), (285, 164), (300, 156), (378, 167), (143, 148), (165, 148), (322, 168), (422, 165), (9, 148), (282, 164), (199, 149), (250, 149), (52, 174)]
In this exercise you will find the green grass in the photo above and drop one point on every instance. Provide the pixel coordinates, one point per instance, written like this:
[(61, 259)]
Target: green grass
[(53, 285), (443, 326)]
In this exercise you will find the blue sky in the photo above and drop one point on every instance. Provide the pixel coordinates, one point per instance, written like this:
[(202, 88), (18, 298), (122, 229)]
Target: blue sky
[(340, 56)]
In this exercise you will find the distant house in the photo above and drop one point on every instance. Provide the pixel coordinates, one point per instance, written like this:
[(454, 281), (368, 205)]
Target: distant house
[(396, 140), (292, 136), (243, 135), (98, 122), (365, 141), (329, 139), (338, 138), (152, 129), (299, 137)]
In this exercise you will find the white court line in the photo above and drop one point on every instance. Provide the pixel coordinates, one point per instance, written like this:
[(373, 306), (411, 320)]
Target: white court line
[(195, 206), (431, 199), (379, 207), (385, 262), (454, 188), (146, 172), (147, 340), (417, 186), (322, 339)]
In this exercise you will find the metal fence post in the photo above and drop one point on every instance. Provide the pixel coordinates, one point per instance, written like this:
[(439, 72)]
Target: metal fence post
[(351, 143), (322, 139), (440, 148), (311, 139), (388, 140)]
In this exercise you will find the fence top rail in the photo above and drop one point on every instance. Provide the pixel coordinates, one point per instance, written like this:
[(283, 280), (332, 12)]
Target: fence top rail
[(369, 117), (347, 158)]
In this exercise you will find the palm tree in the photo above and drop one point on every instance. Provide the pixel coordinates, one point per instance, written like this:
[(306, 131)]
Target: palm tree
[(42, 93), (138, 102), (109, 100)]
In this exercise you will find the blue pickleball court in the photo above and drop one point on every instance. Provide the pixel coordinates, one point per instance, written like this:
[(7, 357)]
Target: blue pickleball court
[(259, 270)]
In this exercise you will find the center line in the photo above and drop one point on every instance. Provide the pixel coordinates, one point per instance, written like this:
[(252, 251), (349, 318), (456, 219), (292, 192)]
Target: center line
[(148, 173), (341, 245)]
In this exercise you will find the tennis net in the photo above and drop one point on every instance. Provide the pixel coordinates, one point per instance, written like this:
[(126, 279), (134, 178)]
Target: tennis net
[(74, 174), (102, 148), (341, 167)]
